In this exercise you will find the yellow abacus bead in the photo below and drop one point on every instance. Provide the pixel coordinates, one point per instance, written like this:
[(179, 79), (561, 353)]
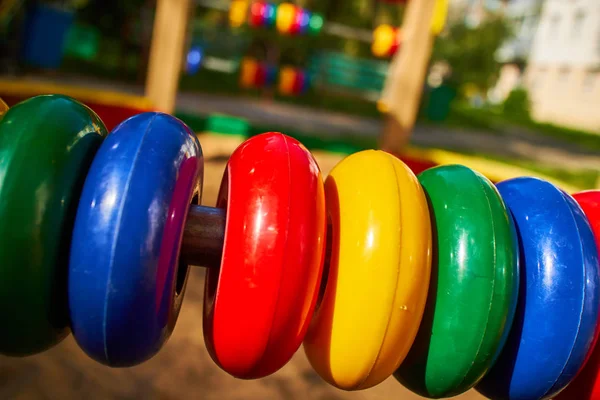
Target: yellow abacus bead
[(286, 14), (379, 271), (249, 67), (286, 80), (383, 40), (238, 11)]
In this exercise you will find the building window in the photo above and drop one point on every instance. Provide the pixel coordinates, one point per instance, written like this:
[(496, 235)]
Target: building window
[(589, 81), (578, 23), (598, 42), (536, 79), (554, 26), (563, 76)]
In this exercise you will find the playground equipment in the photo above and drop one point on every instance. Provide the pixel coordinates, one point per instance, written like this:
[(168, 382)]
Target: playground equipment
[(258, 75), (386, 40), (286, 17), (444, 279), (293, 81), (404, 85), (254, 74)]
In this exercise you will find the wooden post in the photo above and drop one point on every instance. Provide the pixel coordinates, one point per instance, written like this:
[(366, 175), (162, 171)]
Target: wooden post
[(406, 77), (166, 53)]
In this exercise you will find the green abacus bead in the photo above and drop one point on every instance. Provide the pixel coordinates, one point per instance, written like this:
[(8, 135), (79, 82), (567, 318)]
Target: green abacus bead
[(47, 144), (474, 284)]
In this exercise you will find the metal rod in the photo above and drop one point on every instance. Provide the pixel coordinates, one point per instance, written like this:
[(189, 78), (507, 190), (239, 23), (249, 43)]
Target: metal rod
[(203, 236)]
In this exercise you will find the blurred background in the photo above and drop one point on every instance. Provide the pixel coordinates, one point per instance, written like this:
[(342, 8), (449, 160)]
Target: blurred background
[(517, 82), (509, 87)]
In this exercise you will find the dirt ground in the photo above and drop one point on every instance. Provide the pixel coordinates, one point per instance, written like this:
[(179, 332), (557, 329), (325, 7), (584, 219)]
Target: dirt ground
[(183, 369)]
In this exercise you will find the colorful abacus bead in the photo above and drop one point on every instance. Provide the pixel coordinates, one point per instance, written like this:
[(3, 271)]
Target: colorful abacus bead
[(385, 40), (257, 14), (271, 75), (301, 22), (557, 312), (286, 16), (254, 74), (260, 79), (300, 82), (259, 302), (443, 280), (269, 15), (474, 284), (586, 385), (47, 144), (126, 281), (248, 71), (378, 271), (315, 24), (287, 79)]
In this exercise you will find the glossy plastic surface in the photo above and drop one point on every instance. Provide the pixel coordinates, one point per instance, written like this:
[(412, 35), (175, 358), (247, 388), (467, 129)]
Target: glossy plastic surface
[(586, 385), (557, 312), (47, 144), (474, 284), (379, 271), (124, 265), (258, 305)]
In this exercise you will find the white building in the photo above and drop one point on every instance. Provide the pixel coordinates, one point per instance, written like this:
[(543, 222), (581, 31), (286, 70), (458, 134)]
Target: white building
[(524, 17), (563, 73), (473, 12)]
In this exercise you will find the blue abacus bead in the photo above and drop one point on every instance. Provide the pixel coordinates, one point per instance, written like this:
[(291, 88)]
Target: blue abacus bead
[(271, 75), (557, 310), (126, 282)]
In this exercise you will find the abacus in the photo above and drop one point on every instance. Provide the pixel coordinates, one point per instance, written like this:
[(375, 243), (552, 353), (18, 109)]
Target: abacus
[(443, 280)]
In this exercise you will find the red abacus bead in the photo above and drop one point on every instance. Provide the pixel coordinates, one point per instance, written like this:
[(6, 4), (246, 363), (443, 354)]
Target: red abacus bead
[(261, 75), (295, 28), (395, 43), (299, 80), (586, 385), (259, 303), (257, 14), (590, 203)]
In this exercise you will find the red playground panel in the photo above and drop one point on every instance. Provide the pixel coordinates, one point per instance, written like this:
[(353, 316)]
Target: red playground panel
[(417, 165), (112, 107)]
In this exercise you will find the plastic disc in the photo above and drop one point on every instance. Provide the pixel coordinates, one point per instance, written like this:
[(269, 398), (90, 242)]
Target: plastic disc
[(258, 304), (586, 385), (47, 144), (557, 313), (126, 283), (378, 271), (474, 284)]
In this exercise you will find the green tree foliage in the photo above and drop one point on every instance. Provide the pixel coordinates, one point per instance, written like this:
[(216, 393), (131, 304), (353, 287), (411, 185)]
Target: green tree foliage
[(111, 18), (470, 52), (517, 105)]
